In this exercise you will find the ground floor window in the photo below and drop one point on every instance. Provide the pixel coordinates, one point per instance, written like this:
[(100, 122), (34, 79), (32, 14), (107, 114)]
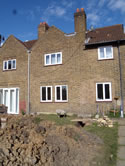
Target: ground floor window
[(61, 93), (46, 93), (10, 98), (103, 91)]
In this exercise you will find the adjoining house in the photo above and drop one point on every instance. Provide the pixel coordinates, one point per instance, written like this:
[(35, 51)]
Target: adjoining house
[(76, 72)]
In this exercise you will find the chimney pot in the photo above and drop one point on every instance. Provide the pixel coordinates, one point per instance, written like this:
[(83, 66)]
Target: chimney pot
[(42, 28), (77, 10), (82, 9)]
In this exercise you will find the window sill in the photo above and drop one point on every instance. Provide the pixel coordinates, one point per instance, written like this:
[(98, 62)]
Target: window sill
[(54, 102), (53, 65), (105, 59), (61, 101), (104, 101), (45, 101), (9, 70)]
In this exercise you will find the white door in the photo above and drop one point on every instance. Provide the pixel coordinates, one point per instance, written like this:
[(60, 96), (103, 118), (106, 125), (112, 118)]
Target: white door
[(10, 98)]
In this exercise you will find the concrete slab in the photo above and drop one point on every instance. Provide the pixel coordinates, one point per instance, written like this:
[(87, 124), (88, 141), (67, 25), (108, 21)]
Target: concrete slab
[(120, 163), (121, 141), (121, 153), (121, 131), (121, 122)]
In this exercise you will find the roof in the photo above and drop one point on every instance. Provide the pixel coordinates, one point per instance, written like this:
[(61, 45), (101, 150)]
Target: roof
[(29, 44), (105, 34)]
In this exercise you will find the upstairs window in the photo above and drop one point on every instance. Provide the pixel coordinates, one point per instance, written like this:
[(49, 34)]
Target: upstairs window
[(105, 52), (103, 92), (61, 93), (53, 59), (46, 93), (9, 65)]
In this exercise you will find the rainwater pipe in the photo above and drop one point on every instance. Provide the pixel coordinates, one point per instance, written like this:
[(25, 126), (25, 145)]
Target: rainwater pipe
[(28, 107), (121, 85)]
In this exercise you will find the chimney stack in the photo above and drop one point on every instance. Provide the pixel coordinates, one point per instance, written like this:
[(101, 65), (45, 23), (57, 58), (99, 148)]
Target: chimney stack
[(42, 28), (80, 20)]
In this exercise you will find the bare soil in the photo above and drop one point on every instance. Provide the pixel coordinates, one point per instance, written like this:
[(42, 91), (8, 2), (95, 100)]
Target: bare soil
[(25, 143)]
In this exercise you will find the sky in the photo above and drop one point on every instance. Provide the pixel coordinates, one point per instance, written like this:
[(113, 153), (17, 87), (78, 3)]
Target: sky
[(22, 17)]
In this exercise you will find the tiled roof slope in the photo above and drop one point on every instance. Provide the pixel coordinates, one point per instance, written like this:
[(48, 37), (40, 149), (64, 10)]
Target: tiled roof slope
[(29, 44), (105, 34)]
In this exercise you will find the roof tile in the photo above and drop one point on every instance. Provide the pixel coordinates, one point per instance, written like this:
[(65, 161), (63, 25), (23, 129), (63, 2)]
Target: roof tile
[(105, 34)]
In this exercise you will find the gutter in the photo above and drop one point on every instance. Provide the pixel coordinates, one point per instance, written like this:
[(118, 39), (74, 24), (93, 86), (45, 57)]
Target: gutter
[(103, 42), (28, 105), (121, 85)]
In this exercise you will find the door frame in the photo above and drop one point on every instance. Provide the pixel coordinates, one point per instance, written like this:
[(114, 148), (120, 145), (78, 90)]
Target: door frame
[(16, 99)]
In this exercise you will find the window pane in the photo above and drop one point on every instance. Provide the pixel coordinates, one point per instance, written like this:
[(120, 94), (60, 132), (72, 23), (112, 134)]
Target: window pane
[(13, 64), (43, 93), (9, 64), (108, 52), (107, 92), (58, 93), (12, 101), (58, 58), (53, 59), (49, 93), (5, 65), (6, 98), (102, 53), (47, 59), (1, 96), (100, 91), (64, 93)]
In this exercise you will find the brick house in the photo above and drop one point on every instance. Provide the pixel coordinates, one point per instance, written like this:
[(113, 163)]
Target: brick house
[(76, 72)]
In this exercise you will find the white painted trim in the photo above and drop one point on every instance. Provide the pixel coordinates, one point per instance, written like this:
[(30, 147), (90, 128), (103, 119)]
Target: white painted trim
[(99, 58), (9, 89), (110, 91), (44, 101), (60, 93), (11, 64), (50, 56)]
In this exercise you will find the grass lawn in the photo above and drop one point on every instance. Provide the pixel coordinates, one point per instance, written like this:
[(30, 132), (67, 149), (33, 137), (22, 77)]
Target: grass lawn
[(110, 138), (108, 135), (55, 118)]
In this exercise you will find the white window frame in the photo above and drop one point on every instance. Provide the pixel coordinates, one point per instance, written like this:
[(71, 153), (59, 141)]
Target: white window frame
[(16, 109), (105, 57), (60, 93), (110, 91), (46, 94), (50, 57), (12, 68)]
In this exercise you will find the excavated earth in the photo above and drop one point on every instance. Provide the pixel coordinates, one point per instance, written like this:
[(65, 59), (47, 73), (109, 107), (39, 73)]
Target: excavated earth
[(26, 143)]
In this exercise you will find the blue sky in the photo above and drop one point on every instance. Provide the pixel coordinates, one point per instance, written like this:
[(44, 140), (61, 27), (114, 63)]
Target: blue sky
[(22, 17)]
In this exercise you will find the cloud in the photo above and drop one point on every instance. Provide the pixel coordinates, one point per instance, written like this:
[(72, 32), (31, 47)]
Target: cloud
[(57, 10), (52, 10), (93, 18), (117, 5), (67, 4), (109, 19), (90, 5), (101, 3)]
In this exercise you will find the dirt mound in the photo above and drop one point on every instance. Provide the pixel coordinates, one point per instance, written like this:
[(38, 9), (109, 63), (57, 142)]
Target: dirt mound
[(25, 143)]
